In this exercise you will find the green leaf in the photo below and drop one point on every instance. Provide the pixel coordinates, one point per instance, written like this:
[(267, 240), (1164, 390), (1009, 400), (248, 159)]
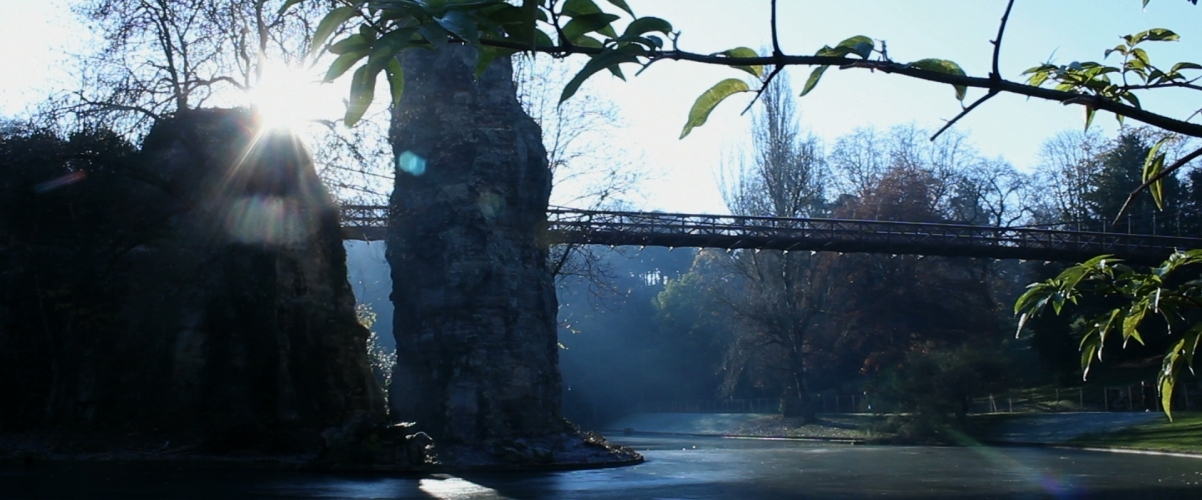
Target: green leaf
[(396, 80), (1089, 112), (943, 66), (1033, 299), (1153, 164), (1160, 35), (530, 11), (349, 44), (599, 62), (642, 25), (1168, 375), (708, 100), (1142, 56), (1131, 99), (573, 8), (435, 34), (1089, 347), (1038, 78), (1131, 323), (744, 52), (812, 81), (363, 88), (621, 4), (328, 24), (343, 63), (461, 25), (1185, 65), (585, 41), (1104, 328), (859, 45), (588, 23), (486, 55)]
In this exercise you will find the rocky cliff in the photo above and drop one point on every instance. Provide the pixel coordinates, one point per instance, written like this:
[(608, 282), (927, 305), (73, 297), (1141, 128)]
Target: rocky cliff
[(477, 354), (199, 288), (475, 304)]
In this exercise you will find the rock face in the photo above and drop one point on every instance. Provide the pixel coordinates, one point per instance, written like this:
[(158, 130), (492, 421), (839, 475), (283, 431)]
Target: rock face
[(477, 358), (212, 299)]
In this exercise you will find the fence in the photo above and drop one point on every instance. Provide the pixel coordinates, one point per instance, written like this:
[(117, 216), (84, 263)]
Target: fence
[(1133, 397)]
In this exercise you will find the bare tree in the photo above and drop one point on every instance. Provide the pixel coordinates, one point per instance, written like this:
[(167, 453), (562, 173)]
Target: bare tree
[(996, 194), (163, 56), (1067, 169), (588, 170), (160, 57), (783, 294)]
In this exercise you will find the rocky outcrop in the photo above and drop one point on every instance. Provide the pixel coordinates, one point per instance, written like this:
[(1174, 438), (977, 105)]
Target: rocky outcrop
[(475, 304), (475, 307), (208, 298)]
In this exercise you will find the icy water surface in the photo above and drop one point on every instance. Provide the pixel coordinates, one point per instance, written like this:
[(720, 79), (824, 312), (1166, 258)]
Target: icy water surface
[(675, 468)]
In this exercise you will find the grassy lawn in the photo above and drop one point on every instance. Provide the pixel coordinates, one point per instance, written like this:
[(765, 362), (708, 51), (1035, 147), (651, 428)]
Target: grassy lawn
[(1184, 434)]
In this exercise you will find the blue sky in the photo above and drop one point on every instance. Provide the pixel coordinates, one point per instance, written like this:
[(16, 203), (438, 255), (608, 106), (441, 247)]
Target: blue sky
[(35, 35)]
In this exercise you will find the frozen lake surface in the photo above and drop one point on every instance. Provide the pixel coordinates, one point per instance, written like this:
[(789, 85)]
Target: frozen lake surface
[(676, 467)]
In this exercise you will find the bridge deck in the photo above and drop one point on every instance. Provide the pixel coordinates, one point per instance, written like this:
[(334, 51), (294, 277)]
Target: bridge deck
[(826, 235)]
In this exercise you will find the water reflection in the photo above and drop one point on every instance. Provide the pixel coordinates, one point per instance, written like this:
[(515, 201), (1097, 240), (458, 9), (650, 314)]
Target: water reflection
[(715, 468)]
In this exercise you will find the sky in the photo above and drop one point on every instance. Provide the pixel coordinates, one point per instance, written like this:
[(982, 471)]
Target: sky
[(682, 174)]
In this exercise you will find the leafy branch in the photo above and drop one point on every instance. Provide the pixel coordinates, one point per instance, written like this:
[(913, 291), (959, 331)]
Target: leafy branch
[(1146, 294)]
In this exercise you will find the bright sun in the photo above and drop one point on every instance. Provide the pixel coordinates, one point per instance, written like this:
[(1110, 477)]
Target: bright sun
[(286, 97)]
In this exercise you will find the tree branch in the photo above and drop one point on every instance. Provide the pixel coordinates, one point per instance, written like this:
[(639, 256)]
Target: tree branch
[(963, 113), (776, 52), (997, 43), (998, 84), (1163, 173)]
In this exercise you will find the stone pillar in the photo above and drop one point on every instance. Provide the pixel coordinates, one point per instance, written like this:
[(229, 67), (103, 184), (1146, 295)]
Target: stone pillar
[(477, 355)]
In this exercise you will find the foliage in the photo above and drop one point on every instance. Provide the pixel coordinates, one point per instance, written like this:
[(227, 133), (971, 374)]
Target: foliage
[(778, 297), (929, 388), (382, 358), (582, 27), (1144, 295)]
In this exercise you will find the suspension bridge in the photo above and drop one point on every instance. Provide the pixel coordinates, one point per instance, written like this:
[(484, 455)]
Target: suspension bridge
[(616, 228)]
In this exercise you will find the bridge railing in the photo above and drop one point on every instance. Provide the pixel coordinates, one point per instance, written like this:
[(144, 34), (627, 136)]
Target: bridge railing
[(565, 225), (732, 231)]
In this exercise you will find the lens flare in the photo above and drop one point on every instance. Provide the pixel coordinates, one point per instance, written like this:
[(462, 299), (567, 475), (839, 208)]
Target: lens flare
[(265, 219), (411, 163)]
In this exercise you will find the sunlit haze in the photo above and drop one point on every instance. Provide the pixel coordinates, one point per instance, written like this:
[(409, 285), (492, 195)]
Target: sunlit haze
[(288, 97)]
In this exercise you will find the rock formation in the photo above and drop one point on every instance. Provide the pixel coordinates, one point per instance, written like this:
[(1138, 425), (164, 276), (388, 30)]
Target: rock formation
[(204, 293), (475, 308), (475, 305)]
